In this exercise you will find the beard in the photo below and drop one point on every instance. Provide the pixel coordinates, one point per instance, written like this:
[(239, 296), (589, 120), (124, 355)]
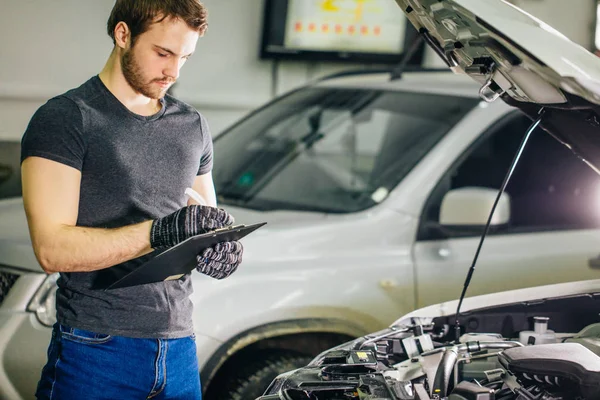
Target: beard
[(132, 71)]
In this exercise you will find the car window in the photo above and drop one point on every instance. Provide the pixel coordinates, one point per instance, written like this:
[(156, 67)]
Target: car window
[(330, 150), (10, 169), (551, 189)]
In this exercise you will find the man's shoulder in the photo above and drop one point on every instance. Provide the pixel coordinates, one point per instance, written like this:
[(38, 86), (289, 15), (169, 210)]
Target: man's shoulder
[(84, 92), (182, 107), (72, 99)]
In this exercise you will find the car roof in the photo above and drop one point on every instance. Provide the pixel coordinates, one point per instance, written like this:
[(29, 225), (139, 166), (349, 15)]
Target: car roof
[(434, 82)]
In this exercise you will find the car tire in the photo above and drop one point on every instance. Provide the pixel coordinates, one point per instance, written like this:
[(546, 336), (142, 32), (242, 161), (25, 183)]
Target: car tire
[(254, 378)]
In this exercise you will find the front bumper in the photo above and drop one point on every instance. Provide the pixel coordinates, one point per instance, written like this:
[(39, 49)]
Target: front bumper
[(23, 339), (23, 345)]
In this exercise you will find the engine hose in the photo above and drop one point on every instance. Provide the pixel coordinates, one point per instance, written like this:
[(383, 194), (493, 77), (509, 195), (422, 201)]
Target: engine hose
[(441, 382)]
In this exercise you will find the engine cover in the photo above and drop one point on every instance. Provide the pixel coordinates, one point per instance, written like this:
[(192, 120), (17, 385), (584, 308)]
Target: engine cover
[(555, 364)]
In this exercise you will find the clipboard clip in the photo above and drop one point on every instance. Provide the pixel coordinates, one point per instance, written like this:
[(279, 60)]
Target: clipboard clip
[(228, 228)]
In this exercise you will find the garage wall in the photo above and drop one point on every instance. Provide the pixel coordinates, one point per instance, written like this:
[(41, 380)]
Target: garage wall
[(48, 47)]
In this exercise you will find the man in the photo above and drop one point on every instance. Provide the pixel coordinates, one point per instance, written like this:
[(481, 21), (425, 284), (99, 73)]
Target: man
[(104, 169)]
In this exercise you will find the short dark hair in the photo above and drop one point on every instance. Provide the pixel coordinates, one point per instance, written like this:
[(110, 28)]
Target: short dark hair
[(140, 14)]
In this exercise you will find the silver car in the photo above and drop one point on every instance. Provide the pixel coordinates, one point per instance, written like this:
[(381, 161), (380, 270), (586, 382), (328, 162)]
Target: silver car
[(375, 191)]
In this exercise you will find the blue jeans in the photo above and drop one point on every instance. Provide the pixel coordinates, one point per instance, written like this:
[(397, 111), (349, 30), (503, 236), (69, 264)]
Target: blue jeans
[(86, 365)]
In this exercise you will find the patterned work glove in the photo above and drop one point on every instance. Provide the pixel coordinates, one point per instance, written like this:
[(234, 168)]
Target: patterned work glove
[(221, 260), (185, 223)]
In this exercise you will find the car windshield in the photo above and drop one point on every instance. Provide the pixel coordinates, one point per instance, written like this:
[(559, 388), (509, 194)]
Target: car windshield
[(330, 150)]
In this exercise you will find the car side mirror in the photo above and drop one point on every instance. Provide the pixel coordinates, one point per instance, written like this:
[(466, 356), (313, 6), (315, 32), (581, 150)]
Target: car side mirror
[(467, 210), (6, 173)]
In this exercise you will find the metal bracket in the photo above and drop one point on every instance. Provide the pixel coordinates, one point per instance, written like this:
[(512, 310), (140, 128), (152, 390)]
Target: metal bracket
[(486, 93), (494, 374), (511, 382)]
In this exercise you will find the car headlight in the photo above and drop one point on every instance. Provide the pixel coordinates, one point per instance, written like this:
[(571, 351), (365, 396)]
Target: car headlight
[(44, 301)]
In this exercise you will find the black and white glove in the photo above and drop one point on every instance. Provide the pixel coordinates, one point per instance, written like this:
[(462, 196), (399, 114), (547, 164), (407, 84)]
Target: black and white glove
[(221, 260), (185, 223)]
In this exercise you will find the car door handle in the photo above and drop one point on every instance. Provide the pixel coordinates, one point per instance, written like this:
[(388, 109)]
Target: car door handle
[(594, 263)]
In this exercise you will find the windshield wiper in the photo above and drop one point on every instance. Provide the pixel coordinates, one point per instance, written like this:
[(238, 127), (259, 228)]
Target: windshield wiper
[(489, 221)]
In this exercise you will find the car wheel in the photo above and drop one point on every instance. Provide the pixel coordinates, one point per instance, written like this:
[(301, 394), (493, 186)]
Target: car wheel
[(254, 378)]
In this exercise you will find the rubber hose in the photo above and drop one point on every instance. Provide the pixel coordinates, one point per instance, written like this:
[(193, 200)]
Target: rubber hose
[(441, 383)]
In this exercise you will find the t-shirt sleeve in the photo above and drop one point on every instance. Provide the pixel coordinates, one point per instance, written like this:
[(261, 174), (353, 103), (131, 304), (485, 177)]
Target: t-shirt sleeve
[(206, 161), (55, 132)]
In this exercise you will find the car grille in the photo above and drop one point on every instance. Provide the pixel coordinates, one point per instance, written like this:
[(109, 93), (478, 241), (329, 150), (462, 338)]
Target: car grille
[(7, 280)]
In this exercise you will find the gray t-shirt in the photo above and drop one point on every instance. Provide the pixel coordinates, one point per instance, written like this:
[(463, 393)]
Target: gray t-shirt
[(133, 169)]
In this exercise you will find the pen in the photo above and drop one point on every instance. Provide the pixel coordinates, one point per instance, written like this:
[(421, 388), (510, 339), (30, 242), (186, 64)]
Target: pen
[(195, 196)]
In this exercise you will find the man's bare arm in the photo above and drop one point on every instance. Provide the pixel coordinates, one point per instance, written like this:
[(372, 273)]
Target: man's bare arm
[(51, 199), (203, 184)]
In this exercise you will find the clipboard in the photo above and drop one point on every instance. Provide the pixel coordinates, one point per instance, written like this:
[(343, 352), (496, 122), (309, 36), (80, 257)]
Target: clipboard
[(180, 260)]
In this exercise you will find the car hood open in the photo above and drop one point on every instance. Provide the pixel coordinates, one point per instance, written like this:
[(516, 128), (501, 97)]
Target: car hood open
[(521, 60), (532, 295)]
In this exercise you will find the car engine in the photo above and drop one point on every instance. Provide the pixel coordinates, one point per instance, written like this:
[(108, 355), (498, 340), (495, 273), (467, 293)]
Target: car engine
[(420, 359)]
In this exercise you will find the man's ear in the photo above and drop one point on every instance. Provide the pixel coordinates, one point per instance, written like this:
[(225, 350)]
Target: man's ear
[(122, 35)]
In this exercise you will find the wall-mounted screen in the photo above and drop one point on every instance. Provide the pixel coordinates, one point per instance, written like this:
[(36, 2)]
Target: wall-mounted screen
[(345, 30)]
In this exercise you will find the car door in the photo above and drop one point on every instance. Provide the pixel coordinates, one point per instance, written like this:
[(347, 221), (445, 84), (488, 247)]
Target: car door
[(553, 234)]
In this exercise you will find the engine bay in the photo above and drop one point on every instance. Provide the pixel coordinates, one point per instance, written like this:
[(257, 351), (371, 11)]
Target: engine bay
[(520, 358)]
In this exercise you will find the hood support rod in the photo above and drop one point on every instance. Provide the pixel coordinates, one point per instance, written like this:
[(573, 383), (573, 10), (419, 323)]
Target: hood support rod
[(489, 221)]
